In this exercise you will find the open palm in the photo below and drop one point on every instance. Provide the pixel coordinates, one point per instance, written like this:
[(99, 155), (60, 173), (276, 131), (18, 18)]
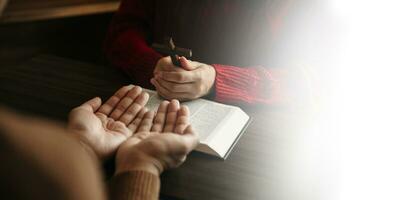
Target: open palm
[(161, 142), (103, 127)]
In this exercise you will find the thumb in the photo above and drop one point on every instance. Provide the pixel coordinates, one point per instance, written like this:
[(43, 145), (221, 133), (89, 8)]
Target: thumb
[(186, 64), (164, 64), (191, 138), (92, 105)]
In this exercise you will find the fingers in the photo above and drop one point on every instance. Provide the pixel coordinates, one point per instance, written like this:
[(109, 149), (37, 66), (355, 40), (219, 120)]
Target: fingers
[(182, 120), (125, 102), (186, 64), (175, 87), (133, 126), (159, 120), (92, 105), (167, 94), (134, 108), (109, 105), (181, 76), (171, 116), (165, 64), (146, 123)]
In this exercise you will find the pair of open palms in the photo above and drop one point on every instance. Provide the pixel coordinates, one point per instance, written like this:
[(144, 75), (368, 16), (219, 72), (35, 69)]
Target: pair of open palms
[(123, 124)]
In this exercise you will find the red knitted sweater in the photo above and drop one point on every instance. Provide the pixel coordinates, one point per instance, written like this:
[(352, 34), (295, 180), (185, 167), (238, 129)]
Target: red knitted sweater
[(237, 34)]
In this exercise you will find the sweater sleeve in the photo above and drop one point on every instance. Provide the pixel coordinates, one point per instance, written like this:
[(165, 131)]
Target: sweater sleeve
[(251, 85), (135, 185), (127, 42)]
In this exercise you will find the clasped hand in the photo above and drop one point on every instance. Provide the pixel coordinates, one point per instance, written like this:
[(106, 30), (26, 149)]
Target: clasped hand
[(142, 140), (190, 81)]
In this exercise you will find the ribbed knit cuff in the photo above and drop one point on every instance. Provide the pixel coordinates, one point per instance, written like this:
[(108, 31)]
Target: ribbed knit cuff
[(135, 185), (231, 83), (249, 85)]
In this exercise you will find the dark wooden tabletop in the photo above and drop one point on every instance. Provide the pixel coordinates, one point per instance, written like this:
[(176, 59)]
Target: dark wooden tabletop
[(259, 167)]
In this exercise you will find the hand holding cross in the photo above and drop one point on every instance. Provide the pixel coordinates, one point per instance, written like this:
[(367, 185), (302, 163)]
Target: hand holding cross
[(173, 51)]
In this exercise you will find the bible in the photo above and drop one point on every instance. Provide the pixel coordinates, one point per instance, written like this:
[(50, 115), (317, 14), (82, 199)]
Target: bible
[(219, 126)]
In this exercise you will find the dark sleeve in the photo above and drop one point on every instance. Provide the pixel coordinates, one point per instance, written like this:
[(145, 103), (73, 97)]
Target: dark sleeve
[(135, 185), (127, 44)]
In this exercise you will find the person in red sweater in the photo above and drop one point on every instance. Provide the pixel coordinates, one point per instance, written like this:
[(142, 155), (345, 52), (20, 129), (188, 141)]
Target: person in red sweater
[(232, 42)]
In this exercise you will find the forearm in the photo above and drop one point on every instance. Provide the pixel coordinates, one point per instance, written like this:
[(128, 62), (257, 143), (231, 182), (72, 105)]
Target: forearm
[(135, 185)]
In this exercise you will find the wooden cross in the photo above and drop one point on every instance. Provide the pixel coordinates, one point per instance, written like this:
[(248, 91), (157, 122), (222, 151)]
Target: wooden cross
[(173, 51)]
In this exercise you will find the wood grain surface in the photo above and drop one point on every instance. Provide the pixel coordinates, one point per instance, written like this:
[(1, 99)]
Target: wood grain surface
[(3, 4)]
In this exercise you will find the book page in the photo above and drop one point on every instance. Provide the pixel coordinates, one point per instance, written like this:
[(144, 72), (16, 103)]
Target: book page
[(154, 100), (228, 132), (208, 118)]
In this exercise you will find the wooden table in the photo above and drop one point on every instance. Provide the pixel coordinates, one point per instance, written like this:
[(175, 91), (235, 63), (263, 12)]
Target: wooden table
[(259, 167), (23, 10)]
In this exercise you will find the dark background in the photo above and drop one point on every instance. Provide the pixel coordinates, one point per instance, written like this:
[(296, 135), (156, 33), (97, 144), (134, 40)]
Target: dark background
[(80, 38)]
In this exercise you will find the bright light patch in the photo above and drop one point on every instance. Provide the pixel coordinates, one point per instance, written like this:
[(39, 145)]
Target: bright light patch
[(370, 105)]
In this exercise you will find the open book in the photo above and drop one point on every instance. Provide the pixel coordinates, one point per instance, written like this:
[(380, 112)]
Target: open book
[(219, 126)]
